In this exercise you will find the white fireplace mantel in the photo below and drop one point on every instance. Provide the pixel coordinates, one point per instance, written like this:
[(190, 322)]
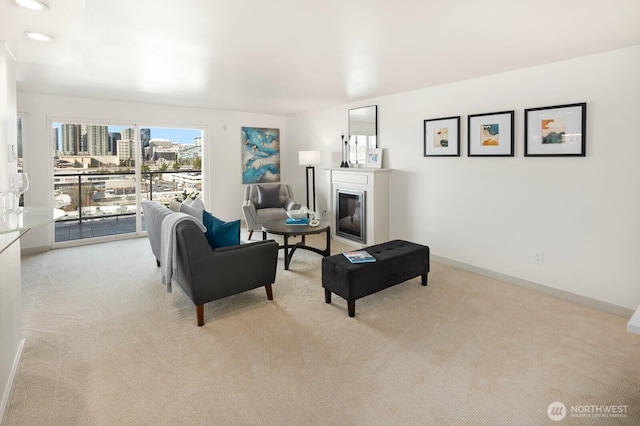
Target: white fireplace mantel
[(375, 184)]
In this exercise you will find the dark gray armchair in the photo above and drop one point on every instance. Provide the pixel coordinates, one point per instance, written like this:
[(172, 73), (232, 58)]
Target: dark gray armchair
[(206, 275)]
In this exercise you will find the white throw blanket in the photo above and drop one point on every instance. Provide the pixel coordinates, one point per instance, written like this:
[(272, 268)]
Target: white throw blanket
[(168, 250)]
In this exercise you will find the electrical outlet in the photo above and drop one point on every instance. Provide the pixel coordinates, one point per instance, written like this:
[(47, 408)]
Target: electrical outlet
[(538, 258)]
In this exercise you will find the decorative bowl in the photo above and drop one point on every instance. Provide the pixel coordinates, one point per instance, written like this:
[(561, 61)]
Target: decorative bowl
[(297, 214)]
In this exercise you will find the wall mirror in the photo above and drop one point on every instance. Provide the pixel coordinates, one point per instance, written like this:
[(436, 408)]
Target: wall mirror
[(363, 129)]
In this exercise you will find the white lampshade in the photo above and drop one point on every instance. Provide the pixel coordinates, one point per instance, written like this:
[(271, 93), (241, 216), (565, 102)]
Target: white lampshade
[(308, 158)]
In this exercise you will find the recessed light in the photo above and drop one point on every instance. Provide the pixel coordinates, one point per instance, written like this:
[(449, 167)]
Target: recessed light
[(32, 4), (38, 36)]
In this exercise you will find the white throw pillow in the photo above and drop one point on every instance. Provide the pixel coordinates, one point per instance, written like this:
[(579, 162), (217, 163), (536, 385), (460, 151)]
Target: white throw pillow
[(194, 209)]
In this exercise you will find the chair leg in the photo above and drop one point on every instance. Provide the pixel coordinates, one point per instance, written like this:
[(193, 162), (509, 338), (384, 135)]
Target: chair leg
[(200, 315), (269, 291), (250, 234)]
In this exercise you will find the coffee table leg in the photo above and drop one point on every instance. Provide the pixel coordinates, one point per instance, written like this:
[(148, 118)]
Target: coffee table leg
[(286, 253)]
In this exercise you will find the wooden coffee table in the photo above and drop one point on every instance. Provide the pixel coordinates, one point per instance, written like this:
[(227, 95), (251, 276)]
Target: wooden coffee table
[(280, 227)]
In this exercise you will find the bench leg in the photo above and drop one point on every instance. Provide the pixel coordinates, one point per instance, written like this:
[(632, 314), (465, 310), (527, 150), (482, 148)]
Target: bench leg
[(424, 279), (351, 304), (327, 296)]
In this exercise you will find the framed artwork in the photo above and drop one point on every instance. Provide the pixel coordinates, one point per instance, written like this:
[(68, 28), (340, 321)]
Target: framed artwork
[(555, 131), (374, 158), (260, 155), (442, 137), (490, 135)]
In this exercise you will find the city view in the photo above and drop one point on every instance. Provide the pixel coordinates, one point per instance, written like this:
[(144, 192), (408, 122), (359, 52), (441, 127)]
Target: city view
[(95, 170)]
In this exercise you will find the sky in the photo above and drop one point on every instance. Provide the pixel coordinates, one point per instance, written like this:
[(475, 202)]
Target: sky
[(177, 135)]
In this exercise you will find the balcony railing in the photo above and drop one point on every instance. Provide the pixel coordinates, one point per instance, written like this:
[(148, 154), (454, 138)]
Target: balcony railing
[(91, 196)]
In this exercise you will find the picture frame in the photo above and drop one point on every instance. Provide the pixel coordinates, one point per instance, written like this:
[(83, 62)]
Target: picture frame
[(556, 131), (490, 134), (373, 158), (260, 155), (442, 137)]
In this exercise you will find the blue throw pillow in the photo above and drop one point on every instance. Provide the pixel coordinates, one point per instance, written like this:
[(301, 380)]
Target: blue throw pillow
[(220, 233)]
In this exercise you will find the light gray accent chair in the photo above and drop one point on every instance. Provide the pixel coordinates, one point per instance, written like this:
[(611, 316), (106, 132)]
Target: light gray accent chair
[(260, 204)]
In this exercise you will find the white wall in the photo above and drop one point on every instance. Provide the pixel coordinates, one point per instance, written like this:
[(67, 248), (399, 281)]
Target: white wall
[(493, 213), (10, 293), (221, 147)]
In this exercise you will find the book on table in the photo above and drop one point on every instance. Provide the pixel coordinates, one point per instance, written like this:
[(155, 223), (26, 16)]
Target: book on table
[(359, 256), (303, 221)]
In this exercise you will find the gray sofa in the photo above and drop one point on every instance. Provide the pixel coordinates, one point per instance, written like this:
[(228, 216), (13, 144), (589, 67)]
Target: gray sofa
[(154, 213), (260, 207)]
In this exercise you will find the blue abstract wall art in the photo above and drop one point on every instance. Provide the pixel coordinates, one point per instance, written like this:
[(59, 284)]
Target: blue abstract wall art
[(260, 155)]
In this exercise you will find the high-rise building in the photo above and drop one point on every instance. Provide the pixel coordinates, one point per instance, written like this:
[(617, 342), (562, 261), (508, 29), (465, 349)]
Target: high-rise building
[(128, 134), (56, 139), (145, 137), (126, 150), (71, 139), (97, 139), (114, 137)]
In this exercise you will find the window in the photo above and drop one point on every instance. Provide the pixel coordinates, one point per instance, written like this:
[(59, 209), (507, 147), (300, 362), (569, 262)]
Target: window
[(103, 171)]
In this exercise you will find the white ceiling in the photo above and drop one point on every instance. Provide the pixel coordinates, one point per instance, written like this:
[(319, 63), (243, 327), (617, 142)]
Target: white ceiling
[(287, 56)]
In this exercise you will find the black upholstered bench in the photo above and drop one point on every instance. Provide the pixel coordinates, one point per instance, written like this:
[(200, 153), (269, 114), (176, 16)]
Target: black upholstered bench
[(396, 261)]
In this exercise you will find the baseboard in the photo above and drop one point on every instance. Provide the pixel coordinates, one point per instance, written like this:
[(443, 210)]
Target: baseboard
[(8, 390), (572, 297), (348, 242), (34, 250)]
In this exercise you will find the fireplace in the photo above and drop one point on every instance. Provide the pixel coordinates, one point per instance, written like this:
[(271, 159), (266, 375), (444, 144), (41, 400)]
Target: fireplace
[(350, 215)]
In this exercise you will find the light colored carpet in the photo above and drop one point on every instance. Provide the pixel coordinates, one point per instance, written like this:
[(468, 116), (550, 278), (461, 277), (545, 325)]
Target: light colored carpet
[(106, 345)]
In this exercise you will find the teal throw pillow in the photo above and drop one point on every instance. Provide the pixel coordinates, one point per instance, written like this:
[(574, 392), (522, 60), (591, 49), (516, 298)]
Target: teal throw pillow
[(220, 233)]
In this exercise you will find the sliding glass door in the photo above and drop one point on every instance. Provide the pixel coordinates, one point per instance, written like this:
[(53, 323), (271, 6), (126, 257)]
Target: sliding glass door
[(102, 172)]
